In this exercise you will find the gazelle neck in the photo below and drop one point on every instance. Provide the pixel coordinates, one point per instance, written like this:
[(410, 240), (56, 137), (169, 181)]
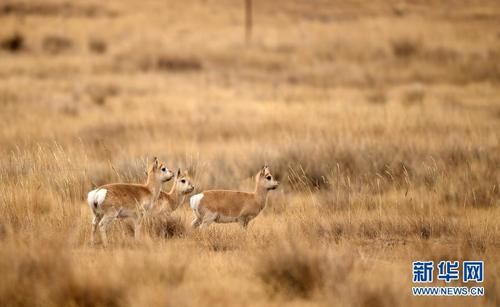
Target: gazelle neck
[(176, 197), (153, 185), (260, 194), (179, 199)]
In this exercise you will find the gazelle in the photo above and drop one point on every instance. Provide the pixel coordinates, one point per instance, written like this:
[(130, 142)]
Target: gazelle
[(168, 202), (124, 200), (222, 206)]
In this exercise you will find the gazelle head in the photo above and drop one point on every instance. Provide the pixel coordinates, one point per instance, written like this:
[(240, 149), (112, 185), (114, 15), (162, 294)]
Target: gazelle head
[(266, 180), (183, 182), (159, 171)]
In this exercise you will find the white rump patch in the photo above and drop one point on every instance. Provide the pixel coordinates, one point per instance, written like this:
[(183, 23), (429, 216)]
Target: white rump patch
[(96, 197), (195, 201)]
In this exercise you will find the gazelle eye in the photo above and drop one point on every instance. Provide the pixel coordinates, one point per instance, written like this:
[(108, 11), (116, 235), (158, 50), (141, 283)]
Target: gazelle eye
[(183, 181), (268, 177), (163, 169)]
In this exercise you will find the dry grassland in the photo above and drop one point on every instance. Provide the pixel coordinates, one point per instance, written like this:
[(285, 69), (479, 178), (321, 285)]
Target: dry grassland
[(381, 119)]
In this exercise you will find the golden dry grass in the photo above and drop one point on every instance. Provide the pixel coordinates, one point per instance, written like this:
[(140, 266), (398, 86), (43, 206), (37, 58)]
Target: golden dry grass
[(381, 120)]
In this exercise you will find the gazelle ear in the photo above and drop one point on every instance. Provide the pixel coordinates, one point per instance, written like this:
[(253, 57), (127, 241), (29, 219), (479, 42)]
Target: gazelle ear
[(186, 172), (155, 162), (178, 172)]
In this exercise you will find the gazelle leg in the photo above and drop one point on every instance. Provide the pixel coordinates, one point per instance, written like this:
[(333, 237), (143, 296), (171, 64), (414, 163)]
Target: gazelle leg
[(103, 227), (244, 221), (197, 219), (196, 222), (208, 219), (95, 220), (137, 227)]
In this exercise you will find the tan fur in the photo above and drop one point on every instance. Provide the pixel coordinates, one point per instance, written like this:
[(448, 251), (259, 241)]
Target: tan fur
[(168, 202), (225, 206), (124, 200)]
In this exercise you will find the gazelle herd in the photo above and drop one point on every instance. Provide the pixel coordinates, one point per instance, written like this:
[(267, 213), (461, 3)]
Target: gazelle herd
[(134, 201)]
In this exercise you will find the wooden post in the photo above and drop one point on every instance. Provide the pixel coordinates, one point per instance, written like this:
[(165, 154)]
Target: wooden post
[(248, 20)]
